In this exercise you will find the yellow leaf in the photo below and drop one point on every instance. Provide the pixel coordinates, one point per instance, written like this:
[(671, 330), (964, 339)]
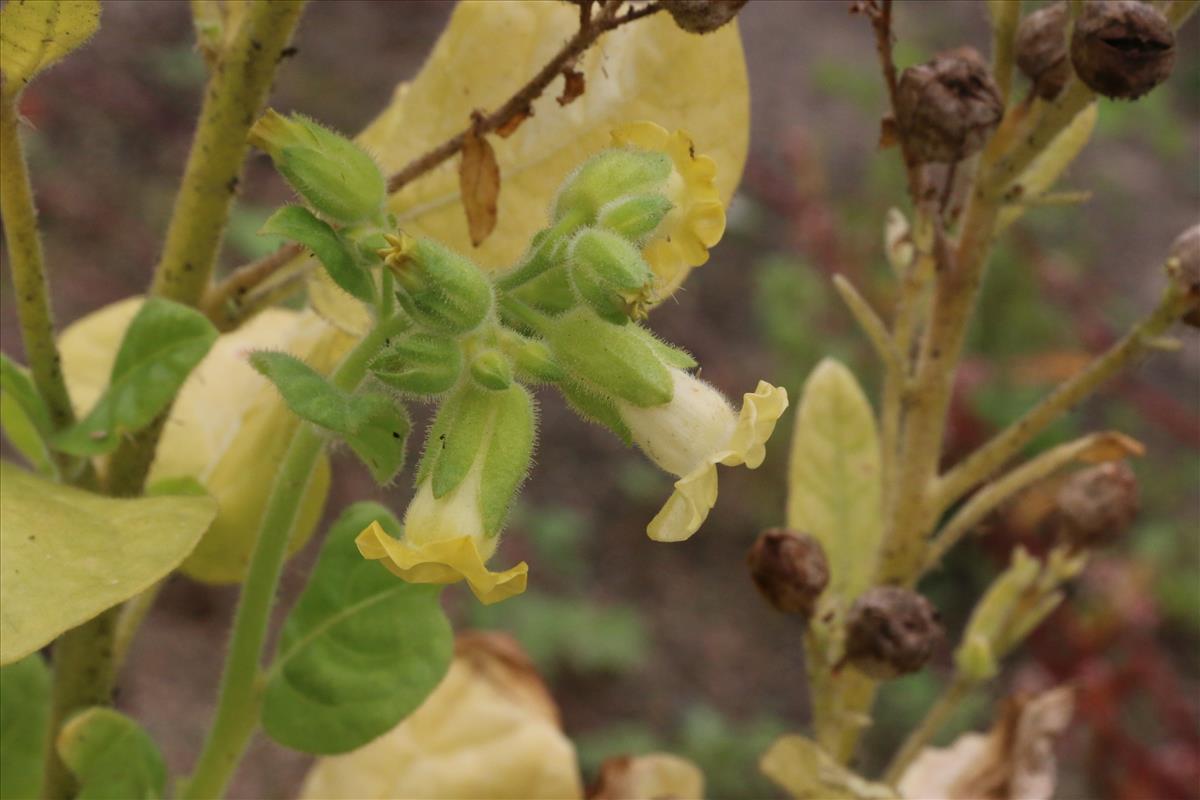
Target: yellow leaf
[(227, 422), (647, 70), (654, 775), (479, 181), (1045, 170), (68, 555), (35, 34)]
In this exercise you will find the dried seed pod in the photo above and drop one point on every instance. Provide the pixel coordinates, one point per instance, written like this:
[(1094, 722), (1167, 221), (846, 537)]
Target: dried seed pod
[(1042, 49), (703, 16), (1184, 262), (790, 570), (947, 108), (1122, 48), (1096, 505), (891, 631)]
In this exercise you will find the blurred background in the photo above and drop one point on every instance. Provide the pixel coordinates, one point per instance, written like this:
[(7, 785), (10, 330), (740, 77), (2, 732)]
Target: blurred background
[(648, 646)]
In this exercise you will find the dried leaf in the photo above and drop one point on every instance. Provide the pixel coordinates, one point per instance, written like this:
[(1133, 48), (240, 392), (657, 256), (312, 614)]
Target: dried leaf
[(573, 85), (479, 181), (648, 777), (1111, 446), (889, 134)]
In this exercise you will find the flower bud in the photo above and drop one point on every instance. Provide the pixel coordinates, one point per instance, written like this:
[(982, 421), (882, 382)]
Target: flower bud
[(333, 174), (891, 631), (1122, 48), (703, 16), (1096, 505), (609, 274), (436, 286), (607, 176), (491, 370), (1183, 265), (422, 363), (635, 216), (1042, 49), (531, 357), (947, 108), (790, 570)]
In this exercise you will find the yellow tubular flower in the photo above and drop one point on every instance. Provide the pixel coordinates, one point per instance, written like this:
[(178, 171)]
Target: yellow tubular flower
[(694, 432), (697, 221)]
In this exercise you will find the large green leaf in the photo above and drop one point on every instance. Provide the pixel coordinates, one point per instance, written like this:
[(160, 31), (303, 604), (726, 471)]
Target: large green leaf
[(164, 342), (24, 713), (24, 417), (66, 554), (36, 33), (112, 757), (359, 652)]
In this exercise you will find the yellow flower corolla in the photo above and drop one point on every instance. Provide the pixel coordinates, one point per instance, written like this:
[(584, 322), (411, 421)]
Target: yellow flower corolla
[(696, 222), (692, 434), (445, 542), (227, 424)]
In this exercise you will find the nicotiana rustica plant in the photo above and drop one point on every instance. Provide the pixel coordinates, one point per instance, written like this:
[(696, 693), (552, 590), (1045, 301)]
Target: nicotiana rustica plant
[(189, 430)]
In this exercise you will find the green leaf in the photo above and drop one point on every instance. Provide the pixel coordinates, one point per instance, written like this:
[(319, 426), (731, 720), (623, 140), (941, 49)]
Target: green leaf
[(307, 393), (508, 453), (298, 224), (24, 417), (162, 345), (834, 480), (33, 35), (112, 757), (24, 715), (381, 438), (66, 555), (359, 652)]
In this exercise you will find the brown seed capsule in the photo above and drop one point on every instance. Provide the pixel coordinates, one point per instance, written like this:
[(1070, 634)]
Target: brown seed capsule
[(1184, 263), (703, 16), (891, 631), (947, 108), (1096, 505), (1122, 48), (1042, 49), (790, 570)]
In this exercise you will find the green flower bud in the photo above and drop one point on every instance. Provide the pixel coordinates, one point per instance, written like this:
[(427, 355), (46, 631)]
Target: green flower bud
[(635, 216), (531, 357), (437, 287), (422, 363), (333, 174), (612, 360), (609, 175), (609, 274), (491, 370)]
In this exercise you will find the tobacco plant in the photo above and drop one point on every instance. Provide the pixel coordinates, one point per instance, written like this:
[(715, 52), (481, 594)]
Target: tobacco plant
[(481, 239)]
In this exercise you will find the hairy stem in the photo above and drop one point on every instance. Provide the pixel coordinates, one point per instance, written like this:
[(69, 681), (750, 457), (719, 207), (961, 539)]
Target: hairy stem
[(241, 681)]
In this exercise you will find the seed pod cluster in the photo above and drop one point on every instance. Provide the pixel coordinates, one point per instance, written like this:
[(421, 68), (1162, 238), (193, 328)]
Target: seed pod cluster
[(948, 107), (703, 16), (1122, 48), (790, 570), (1041, 47), (1096, 505), (891, 631)]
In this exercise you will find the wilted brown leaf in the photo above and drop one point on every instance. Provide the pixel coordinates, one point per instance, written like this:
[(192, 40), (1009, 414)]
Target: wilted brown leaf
[(479, 181), (573, 86)]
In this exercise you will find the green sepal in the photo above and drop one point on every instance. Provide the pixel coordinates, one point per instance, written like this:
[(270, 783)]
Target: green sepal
[(491, 370), (614, 360), (671, 355), (635, 216), (609, 274), (595, 408), (441, 289), (420, 363), (24, 717), (454, 439), (360, 650), (25, 418), (550, 292), (381, 439), (111, 756), (298, 224), (532, 358), (163, 343), (333, 174), (608, 175), (509, 451)]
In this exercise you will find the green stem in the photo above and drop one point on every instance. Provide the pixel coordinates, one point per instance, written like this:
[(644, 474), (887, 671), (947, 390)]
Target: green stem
[(241, 684), (928, 728)]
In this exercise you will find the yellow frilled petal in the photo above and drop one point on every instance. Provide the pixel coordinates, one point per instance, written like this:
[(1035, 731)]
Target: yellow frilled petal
[(688, 506), (697, 222), (760, 411), (444, 561)]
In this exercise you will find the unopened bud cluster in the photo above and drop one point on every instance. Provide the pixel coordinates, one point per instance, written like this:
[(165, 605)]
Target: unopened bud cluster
[(1098, 504), (789, 569), (1122, 48), (948, 107), (891, 631)]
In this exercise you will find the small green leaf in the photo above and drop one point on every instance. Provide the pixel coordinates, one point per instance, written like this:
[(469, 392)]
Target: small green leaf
[(456, 437), (24, 715), (33, 35), (24, 417), (66, 554), (508, 453), (359, 652), (162, 345), (298, 224), (381, 437), (307, 393), (112, 757)]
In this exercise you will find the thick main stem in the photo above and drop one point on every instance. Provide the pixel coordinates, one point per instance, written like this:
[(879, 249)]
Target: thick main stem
[(241, 689)]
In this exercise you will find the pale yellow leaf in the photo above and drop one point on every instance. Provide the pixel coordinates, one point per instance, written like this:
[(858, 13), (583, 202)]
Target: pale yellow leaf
[(66, 555), (36, 33), (648, 777), (1045, 170), (799, 765), (479, 182)]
